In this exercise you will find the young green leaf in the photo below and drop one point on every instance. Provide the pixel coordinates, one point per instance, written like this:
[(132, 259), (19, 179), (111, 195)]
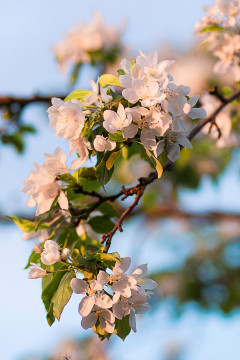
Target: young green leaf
[(26, 225), (101, 224), (108, 260), (78, 95), (116, 137), (108, 80), (50, 289), (63, 294), (122, 327), (211, 28), (112, 158), (102, 173), (107, 209), (34, 258)]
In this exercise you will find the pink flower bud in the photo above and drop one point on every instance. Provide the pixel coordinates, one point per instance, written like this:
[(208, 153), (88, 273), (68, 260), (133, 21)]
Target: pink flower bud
[(37, 248), (65, 253)]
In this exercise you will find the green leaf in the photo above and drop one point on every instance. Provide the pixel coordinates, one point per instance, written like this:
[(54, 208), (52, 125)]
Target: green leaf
[(79, 95), (107, 209), (62, 294), (51, 287), (26, 225), (89, 185), (157, 164), (114, 95), (50, 316), (101, 224), (27, 129), (87, 173), (116, 137), (34, 258), (108, 80), (112, 158), (15, 140), (108, 260), (122, 327), (211, 28), (121, 72), (102, 173)]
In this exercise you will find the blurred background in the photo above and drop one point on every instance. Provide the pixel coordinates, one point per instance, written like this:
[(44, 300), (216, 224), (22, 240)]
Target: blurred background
[(187, 226)]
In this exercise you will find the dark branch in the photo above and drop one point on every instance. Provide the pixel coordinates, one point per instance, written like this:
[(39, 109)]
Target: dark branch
[(22, 101)]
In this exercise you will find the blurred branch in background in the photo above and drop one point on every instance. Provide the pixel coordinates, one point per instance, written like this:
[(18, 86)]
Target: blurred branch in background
[(12, 126)]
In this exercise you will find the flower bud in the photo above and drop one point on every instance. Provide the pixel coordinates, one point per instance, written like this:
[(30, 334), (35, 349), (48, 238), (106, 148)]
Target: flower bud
[(65, 253), (37, 248)]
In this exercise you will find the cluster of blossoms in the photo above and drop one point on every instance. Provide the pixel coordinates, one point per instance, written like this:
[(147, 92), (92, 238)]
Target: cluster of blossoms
[(114, 296), (141, 107), (221, 31), (49, 256), (87, 41), (146, 108), (109, 296)]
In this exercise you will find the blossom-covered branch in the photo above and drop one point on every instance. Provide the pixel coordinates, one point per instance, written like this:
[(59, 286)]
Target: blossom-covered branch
[(140, 111)]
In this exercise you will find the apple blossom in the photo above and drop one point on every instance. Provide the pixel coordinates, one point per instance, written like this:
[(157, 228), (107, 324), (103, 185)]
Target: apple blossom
[(94, 295), (50, 254), (36, 272), (100, 143), (67, 118), (114, 121), (106, 319)]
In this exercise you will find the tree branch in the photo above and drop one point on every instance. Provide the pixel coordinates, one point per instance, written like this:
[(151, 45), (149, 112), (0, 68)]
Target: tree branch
[(22, 101)]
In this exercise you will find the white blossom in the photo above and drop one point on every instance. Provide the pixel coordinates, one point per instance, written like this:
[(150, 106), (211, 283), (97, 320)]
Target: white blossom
[(81, 146), (146, 80), (120, 282), (67, 118), (114, 121), (50, 254), (123, 306), (106, 319), (99, 94), (100, 143), (36, 272), (224, 44), (94, 295), (41, 235), (42, 186), (176, 136), (82, 39)]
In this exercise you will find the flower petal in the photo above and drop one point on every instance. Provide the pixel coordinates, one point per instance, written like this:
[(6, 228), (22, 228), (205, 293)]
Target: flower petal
[(103, 277), (103, 301), (107, 326), (122, 266), (79, 286), (108, 315), (89, 321), (63, 201), (86, 306), (95, 285), (132, 320)]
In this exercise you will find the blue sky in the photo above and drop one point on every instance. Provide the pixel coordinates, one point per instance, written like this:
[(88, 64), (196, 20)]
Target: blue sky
[(28, 31)]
